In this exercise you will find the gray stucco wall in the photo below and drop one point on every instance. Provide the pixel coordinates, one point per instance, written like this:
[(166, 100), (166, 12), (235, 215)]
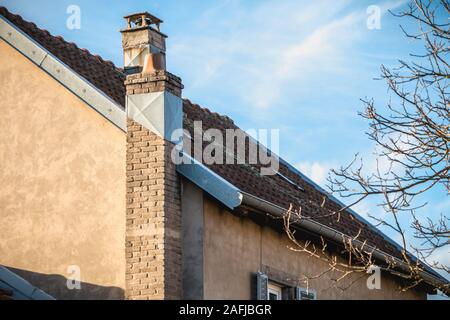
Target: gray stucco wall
[(192, 224)]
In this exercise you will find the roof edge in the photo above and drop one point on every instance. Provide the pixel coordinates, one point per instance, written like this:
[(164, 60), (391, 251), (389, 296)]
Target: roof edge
[(330, 233), (21, 288), (209, 181), (232, 197), (340, 203)]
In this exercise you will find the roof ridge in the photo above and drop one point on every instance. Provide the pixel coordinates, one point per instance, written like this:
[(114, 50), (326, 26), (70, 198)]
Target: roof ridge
[(217, 115)]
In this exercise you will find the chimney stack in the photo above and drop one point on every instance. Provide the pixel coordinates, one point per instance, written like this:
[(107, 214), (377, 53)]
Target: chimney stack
[(154, 111)]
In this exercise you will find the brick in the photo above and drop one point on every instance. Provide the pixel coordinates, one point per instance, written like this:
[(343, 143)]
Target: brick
[(153, 201)]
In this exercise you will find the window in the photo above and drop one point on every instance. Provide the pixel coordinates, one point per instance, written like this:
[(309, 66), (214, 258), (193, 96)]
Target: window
[(273, 291)]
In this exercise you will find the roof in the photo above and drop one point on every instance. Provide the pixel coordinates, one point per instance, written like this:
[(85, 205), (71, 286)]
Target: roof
[(288, 187), (13, 287), (276, 189), (101, 73), (6, 294)]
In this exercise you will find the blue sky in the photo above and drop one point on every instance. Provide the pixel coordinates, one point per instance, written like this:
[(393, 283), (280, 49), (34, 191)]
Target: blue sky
[(299, 66)]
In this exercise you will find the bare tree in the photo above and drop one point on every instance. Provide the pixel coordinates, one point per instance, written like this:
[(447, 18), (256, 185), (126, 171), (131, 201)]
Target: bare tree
[(412, 145), (339, 271)]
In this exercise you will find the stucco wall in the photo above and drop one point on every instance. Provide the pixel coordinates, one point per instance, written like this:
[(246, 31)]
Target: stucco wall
[(192, 238), (62, 185), (235, 248)]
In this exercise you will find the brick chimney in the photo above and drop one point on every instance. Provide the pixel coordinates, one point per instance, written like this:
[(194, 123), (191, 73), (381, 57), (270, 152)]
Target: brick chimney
[(154, 111)]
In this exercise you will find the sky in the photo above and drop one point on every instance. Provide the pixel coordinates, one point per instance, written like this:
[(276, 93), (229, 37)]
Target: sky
[(297, 66)]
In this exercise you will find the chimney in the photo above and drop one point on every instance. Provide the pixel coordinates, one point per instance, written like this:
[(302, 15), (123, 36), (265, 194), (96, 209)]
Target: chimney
[(153, 217), (144, 46)]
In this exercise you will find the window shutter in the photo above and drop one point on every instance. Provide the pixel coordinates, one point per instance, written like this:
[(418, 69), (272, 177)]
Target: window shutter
[(303, 294), (262, 282)]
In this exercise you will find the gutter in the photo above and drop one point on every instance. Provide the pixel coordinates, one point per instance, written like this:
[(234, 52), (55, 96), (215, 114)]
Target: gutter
[(330, 233), (349, 209), (232, 197), (209, 181)]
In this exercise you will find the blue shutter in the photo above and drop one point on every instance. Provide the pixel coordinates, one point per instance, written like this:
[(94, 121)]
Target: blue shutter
[(262, 282), (303, 294)]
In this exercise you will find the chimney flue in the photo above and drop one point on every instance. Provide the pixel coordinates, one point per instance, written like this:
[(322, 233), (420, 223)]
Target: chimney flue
[(144, 46)]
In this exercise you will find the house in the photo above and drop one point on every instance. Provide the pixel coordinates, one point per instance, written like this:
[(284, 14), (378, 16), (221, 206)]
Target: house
[(93, 205)]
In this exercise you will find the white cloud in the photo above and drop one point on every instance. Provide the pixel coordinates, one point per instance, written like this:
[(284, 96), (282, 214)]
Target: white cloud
[(258, 52), (260, 48)]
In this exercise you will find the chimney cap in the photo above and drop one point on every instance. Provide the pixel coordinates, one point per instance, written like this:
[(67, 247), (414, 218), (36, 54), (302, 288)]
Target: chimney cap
[(142, 20)]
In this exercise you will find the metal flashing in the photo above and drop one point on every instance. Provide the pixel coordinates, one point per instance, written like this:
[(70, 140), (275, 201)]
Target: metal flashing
[(21, 289), (209, 181), (160, 112)]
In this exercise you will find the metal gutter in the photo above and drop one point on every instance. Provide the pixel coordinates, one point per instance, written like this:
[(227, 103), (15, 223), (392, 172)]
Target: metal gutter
[(353, 212), (21, 289), (329, 196), (78, 85), (210, 182), (339, 202), (332, 234), (232, 197)]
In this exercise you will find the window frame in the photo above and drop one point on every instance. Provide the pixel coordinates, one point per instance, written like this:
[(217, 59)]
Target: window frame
[(274, 288)]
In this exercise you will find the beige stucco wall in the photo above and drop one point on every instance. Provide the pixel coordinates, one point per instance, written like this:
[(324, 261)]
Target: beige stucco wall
[(62, 185), (235, 247)]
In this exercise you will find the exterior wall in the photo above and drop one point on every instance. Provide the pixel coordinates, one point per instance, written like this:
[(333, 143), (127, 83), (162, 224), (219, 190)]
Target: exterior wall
[(192, 232), (62, 194), (235, 248)]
